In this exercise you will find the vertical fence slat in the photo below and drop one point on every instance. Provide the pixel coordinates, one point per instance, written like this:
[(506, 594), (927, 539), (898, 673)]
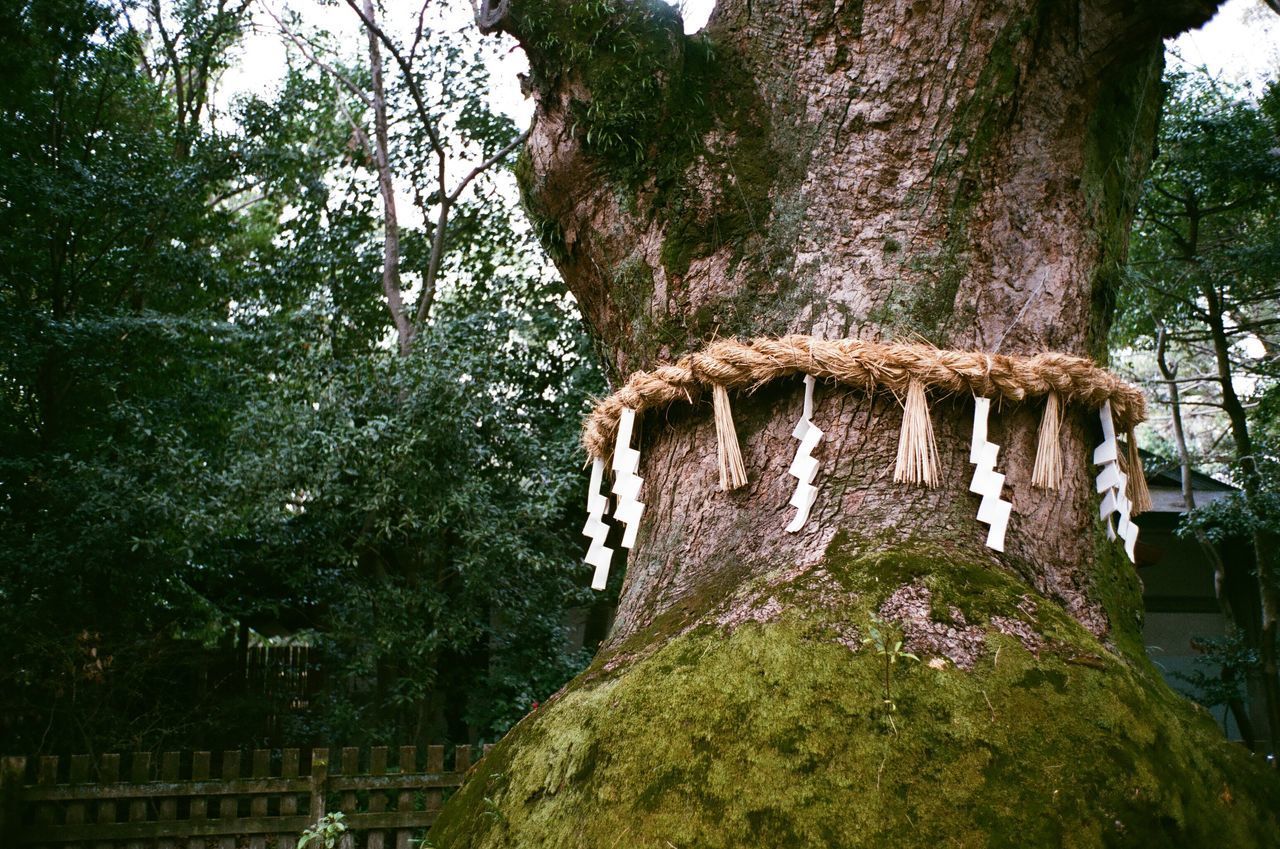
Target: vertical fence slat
[(139, 773), (199, 810), (404, 799), (350, 767), (229, 805), (435, 765), (108, 773), (461, 759), (319, 780), (13, 776), (258, 803), (170, 764), (377, 798), (288, 802), (47, 775), (81, 765)]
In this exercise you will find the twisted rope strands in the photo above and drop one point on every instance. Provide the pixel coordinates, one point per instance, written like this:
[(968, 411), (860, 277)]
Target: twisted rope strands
[(889, 366)]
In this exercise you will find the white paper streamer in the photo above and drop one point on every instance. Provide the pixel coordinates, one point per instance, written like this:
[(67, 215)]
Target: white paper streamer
[(987, 482), (598, 554), (805, 466), (1113, 485), (626, 483)]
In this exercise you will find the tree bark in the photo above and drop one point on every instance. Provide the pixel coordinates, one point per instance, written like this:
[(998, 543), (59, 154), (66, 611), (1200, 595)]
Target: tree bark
[(961, 172), (386, 187), (873, 170)]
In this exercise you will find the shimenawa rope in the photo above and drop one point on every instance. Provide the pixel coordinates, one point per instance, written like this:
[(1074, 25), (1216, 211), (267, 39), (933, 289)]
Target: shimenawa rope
[(904, 369)]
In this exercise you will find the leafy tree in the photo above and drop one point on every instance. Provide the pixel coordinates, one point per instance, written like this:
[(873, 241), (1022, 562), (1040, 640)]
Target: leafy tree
[(1204, 267), (206, 435)]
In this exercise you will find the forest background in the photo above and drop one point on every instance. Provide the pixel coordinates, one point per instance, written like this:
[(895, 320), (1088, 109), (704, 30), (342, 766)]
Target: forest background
[(283, 364)]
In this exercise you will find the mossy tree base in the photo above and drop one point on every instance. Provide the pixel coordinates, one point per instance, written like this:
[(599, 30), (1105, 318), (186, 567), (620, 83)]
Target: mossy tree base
[(762, 721)]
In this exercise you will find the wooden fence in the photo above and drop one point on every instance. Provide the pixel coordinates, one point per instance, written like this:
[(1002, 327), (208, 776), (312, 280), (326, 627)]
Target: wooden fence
[(190, 801)]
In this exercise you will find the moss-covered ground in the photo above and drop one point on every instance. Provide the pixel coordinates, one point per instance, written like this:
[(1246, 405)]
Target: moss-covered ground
[(763, 721)]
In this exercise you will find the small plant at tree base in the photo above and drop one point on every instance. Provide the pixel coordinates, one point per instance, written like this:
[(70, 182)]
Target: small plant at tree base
[(890, 651), (324, 833)]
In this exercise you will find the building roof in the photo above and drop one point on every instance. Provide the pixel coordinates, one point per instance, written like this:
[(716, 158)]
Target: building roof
[(1164, 479)]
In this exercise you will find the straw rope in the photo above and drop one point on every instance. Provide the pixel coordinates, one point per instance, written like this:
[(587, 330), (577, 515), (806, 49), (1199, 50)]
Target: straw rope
[(871, 366)]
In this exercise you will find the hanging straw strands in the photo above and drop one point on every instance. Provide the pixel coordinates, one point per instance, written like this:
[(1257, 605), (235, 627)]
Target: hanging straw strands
[(871, 366), (908, 371), (1047, 472), (733, 472), (917, 452)]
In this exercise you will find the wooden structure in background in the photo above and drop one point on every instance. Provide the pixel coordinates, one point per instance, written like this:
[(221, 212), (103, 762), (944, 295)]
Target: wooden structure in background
[(186, 800)]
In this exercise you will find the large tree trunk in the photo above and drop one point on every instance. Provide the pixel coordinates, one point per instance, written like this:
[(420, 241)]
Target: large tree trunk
[(961, 172)]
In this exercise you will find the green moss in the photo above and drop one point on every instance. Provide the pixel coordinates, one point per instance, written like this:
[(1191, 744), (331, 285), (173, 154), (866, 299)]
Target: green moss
[(742, 164), (640, 107), (1115, 583), (775, 733)]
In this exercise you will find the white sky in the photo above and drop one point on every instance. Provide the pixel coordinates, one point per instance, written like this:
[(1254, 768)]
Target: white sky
[(1241, 43)]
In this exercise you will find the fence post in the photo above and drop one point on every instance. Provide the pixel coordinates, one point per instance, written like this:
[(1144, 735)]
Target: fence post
[(139, 773), (319, 778), (108, 773), (81, 768), (199, 810), (404, 799), (288, 804), (350, 768), (11, 778), (377, 798), (170, 770), (258, 802), (435, 764)]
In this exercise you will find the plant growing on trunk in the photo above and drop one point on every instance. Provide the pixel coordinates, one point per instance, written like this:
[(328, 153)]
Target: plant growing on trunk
[(879, 639)]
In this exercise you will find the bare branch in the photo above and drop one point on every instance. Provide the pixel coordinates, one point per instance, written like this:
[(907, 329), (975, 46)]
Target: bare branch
[(312, 55), (406, 68), (489, 163)]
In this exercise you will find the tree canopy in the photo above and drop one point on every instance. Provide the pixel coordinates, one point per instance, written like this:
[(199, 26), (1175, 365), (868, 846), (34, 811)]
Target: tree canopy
[(209, 440)]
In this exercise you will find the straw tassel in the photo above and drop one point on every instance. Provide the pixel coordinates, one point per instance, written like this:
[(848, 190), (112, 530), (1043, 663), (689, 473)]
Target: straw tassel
[(917, 453), (1047, 472), (733, 474), (1139, 494)]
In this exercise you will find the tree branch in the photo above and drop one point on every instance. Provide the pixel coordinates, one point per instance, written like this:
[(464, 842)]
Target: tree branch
[(406, 68), (442, 222), (311, 55)]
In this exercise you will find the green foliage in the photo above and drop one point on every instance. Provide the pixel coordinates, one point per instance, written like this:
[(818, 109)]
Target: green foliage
[(1207, 214), (207, 437), (1222, 664), (1204, 261), (879, 637), (1205, 251), (325, 832)]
